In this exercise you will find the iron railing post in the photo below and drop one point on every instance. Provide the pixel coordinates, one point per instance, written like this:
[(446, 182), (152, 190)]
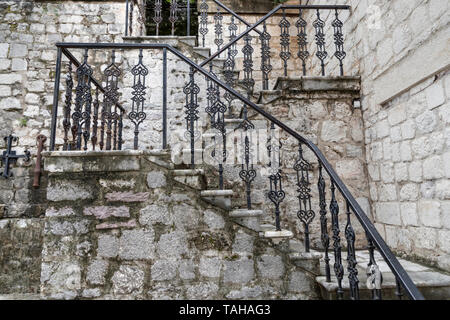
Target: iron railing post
[(164, 143), (126, 18), (55, 99), (188, 9)]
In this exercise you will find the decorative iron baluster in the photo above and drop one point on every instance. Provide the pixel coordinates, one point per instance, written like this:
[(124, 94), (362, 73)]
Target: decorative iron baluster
[(266, 67), (247, 173), (374, 276), (191, 90), (351, 258), (173, 18), (103, 123), (95, 121), (137, 114), (203, 25), (83, 99), (338, 268), (218, 17), (399, 289), (157, 18), (323, 222), (67, 107), (305, 214), (247, 50), (131, 17), (321, 53), (303, 52), (339, 42), (110, 99), (229, 64), (276, 193), (120, 130), (115, 123), (285, 53)]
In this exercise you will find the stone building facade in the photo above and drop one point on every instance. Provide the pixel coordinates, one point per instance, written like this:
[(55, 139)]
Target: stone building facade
[(393, 153)]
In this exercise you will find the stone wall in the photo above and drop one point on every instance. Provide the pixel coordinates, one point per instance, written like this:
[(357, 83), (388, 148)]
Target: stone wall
[(400, 50), (125, 229)]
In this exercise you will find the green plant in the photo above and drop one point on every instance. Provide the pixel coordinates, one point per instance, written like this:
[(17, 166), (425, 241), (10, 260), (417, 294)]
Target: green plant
[(23, 122)]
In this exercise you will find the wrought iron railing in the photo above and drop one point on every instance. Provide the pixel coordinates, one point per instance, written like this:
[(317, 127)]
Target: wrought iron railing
[(84, 121), (135, 17)]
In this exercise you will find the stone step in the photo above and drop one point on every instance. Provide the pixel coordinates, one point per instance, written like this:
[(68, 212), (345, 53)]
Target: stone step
[(431, 283), (204, 52), (20, 296), (220, 198), (250, 219), (277, 236), (193, 178), (309, 261), (268, 96)]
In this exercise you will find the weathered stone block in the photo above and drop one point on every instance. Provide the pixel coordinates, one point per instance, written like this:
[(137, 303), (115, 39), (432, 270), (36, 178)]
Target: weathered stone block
[(155, 213), (433, 168), (388, 212), (96, 272), (213, 220), (128, 279), (105, 225), (60, 280), (409, 214), (164, 270), (239, 271), (202, 291), (172, 244), (127, 196), (430, 213), (334, 131), (425, 238), (186, 269), (137, 244), (270, 267), (64, 228), (103, 212), (156, 179), (299, 282), (409, 192), (108, 246), (69, 190)]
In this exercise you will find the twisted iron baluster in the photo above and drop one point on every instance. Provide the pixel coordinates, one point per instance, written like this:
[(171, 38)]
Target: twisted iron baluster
[(323, 222), (67, 107), (137, 114), (203, 27), (173, 14), (351, 258), (247, 173), (247, 50), (229, 64), (266, 67), (191, 90), (115, 123), (285, 53), (374, 276), (305, 214), (218, 17), (338, 268), (320, 41), (83, 98), (111, 98), (95, 121), (157, 18), (120, 130), (276, 194), (303, 52), (339, 42)]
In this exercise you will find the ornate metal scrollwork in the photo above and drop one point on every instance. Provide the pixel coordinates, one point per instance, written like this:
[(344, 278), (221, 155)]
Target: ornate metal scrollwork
[(247, 173), (303, 52), (111, 98), (218, 17), (306, 215), (67, 107), (266, 67), (339, 42), (248, 80), (351, 258), (276, 193), (325, 238), (321, 53), (203, 25), (137, 114), (157, 18), (81, 116), (285, 53), (229, 63), (95, 120), (338, 268), (191, 90), (173, 18)]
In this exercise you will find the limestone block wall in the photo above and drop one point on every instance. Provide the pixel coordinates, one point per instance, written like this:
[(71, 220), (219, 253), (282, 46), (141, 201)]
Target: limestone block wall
[(401, 51), (126, 229)]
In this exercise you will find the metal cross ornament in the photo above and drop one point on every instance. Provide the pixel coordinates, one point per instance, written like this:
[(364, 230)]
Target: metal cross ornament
[(10, 157)]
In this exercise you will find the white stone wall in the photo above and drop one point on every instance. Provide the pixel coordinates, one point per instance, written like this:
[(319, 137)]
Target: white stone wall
[(401, 52)]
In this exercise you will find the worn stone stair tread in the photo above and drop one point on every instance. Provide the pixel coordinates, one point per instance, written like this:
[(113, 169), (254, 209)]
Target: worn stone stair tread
[(242, 213), (20, 296), (305, 255), (216, 193), (188, 172), (277, 236)]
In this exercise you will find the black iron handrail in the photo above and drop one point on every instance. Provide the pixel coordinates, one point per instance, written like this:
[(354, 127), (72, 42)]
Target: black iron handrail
[(234, 14), (373, 235), (268, 15)]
